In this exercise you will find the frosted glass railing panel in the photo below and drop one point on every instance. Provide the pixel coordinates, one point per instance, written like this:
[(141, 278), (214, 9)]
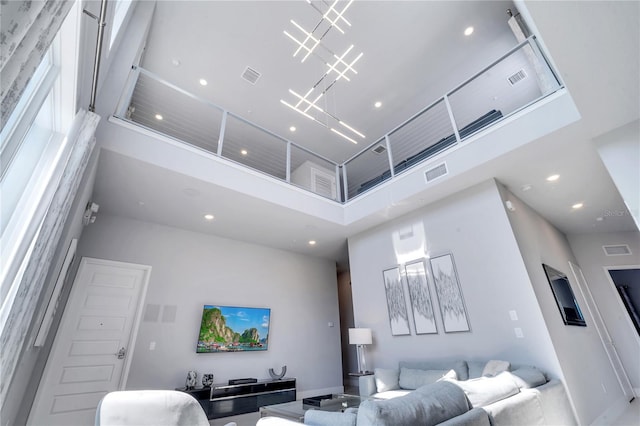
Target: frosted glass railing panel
[(313, 173), (423, 136), (509, 85), (162, 108), (254, 147), (367, 169)]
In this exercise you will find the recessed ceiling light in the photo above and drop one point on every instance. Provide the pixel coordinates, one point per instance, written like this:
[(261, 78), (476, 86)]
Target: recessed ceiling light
[(599, 218), (553, 178), (244, 152), (468, 31), (526, 187), (292, 128), (312, 242), (159, 117), (378, 104), (203, 82), (175, 62), (209, 216), (577, 206)]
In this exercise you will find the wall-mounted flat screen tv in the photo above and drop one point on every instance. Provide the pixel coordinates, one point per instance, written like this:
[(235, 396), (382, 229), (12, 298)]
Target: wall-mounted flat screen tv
[(233, 329)]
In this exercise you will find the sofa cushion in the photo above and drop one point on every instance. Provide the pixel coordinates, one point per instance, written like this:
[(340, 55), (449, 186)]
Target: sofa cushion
[(427, 405), (474, 417), (495, 367), (386, 379), (460, 366), (475, 368), (521, 409), (413, 379), (528, 377), (485, 390), (334, 418), (392, 393)]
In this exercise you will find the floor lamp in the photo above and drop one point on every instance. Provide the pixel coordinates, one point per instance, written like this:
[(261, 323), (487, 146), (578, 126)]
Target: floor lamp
[(360, 337)]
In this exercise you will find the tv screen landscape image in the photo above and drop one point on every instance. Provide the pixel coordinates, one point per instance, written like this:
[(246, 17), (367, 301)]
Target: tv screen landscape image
[(233, 329)]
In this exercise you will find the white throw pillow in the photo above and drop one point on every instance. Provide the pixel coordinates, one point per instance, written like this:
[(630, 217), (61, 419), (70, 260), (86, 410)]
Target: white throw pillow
[(386, 379), (495, 367), (413, 379)]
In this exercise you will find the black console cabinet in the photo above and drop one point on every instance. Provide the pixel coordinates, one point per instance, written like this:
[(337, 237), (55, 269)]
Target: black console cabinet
[(222, 400)]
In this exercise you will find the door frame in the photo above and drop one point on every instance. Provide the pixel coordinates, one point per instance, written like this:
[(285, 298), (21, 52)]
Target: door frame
[(618, 299), (603, 333)]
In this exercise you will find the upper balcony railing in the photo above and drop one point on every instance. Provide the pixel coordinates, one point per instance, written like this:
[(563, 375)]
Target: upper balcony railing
[(518, 79)]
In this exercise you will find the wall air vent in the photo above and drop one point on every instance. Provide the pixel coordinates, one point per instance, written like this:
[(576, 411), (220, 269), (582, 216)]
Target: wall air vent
[(379, 149), (617, 250), (517, 77), (251, 75), (436, 172)]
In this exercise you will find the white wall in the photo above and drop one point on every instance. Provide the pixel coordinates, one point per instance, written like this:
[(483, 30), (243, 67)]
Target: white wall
[(472, 225), (619, 150), (584, 363), (191, 270), (592, 260)]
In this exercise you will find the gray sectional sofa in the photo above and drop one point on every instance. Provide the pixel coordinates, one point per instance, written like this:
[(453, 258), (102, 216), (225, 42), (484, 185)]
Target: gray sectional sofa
[(464, 393)]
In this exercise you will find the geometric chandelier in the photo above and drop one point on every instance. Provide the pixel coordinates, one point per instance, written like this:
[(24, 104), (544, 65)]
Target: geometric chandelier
[(339, 67)]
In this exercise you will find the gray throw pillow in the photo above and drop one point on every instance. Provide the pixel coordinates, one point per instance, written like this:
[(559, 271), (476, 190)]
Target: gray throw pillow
[(413, 378), (427, 406), (528, 377), (386, 379)]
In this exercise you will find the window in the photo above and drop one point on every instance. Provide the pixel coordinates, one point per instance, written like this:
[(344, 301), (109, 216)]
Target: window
[(32, 154)]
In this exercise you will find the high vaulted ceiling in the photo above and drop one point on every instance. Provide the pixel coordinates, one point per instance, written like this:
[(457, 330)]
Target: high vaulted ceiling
[(413, 52)]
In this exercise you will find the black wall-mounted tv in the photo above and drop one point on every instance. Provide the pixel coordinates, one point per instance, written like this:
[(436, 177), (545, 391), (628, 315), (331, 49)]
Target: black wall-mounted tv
[(233, 329), (566, 300)]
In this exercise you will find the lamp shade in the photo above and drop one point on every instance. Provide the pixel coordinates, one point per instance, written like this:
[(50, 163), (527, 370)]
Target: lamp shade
[(360, 336)]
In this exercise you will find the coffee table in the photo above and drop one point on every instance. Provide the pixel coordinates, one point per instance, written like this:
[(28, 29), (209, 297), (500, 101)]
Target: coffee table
[(295, 410)]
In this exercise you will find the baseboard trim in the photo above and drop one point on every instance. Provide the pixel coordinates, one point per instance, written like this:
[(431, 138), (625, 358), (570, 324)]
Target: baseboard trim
[(316, 392), (612, 413)]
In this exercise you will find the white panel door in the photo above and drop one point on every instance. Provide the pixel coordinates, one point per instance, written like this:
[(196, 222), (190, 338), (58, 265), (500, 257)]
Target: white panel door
[(92, 349)]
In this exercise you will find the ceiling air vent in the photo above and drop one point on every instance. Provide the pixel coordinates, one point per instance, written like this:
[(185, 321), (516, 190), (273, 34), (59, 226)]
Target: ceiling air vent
[(517, 77), (617, 250), (251, 75), (436, 172), (379, 149)]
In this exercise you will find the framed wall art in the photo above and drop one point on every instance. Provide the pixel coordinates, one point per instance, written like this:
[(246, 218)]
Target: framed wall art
[(396, 304), (452, 309), (424, 318)]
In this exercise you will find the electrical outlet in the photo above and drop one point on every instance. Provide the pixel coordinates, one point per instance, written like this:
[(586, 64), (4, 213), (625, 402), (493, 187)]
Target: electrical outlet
[(518, 332), (513, 315), (152, 346)]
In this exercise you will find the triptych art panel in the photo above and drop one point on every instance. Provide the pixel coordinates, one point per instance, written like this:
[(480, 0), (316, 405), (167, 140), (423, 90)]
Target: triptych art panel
[(447, 292)]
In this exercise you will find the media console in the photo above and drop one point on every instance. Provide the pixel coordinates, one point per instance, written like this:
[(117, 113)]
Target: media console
[(222, 400)]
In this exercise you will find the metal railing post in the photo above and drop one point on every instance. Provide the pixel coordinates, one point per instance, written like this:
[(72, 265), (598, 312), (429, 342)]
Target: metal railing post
[(288, 171), (387, 143), (223, 126), (452, 118)]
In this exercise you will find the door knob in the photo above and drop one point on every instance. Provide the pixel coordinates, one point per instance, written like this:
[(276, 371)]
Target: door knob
[(120, 353)]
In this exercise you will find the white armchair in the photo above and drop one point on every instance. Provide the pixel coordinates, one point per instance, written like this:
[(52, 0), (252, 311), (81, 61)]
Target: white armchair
[(150, 408)]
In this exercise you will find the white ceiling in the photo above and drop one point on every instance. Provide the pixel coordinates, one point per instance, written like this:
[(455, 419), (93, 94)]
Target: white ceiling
[(594, 45)]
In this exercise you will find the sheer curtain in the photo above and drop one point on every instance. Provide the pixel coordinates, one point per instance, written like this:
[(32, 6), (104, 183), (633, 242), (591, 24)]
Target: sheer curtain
[(28, 289), (27, 28)]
